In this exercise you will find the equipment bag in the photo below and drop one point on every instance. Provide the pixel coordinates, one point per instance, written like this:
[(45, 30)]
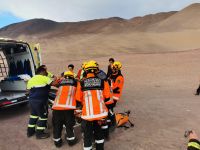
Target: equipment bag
[(122, 119)]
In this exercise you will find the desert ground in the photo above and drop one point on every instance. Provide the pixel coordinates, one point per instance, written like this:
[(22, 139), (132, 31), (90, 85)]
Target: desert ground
[(160, 58), (159, 90)]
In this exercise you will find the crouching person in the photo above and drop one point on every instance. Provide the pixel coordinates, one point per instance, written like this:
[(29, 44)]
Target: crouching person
[(63, 110), (92, 92)]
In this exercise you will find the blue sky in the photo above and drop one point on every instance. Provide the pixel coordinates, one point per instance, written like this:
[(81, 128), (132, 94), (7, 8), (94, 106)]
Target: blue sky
[(12, 11), (7, 18)]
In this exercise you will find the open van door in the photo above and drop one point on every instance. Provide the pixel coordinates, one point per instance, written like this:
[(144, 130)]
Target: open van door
[(36, 51)]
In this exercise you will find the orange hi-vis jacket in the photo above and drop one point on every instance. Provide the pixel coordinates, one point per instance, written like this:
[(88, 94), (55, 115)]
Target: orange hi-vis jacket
[(117, 83), (92, 92), (110, 101), (65, 98)]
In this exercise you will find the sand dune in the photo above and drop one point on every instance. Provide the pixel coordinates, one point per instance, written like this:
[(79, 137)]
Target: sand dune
[(186, 19), (162, 32)]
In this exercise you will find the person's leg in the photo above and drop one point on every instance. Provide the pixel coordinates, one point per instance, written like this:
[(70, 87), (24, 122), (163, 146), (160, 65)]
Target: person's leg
[(41, 124), (32, 121), (111, 118), (57, 121), (87, 128), (69, 123), (99, 137), (105, 128)]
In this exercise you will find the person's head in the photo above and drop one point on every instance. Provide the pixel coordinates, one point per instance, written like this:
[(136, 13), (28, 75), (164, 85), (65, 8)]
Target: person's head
[(71, 67), (91, 67), (111, 61), (44, 66), (41, 71), (68, 74), (116, 67)]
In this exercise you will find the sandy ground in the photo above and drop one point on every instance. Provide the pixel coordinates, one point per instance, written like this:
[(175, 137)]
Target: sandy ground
[(159, 91)]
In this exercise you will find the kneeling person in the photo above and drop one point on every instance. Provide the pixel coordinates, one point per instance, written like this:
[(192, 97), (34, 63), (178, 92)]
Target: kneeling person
[(63, 110)]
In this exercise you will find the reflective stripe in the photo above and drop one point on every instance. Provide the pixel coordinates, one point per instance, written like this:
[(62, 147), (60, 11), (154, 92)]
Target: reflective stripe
[(87, 148), (116, 98), (42, 118), (99, 141), (87, 103), (31, 125), (38, 86), (33, 117), (104, 127), (95, 116), (99, 96), (56, 140), (111, 112), (59, 94), (71, 138), (194, 144), (40, 128), (108, 120), (69, 95), (64, 106), (90, 103)]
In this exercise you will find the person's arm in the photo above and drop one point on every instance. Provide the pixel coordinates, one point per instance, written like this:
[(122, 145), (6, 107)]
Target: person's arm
[(118, 85), (106, 92), (79, 95)]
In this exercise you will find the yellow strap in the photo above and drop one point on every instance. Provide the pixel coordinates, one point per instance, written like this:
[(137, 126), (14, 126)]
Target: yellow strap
[(40, 128), (194, 144), (31, 126), (34, 117), (42, 118)]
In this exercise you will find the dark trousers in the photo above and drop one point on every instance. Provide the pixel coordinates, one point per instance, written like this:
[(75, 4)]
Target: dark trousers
[(111, 115), (92, 129), (38, 117), (111, 121), (60, 118)]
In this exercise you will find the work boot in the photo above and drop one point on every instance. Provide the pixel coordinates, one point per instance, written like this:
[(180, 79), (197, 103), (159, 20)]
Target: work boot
[(100, 146), (30, 134), (58, 144), (42, 135), (72, 142)]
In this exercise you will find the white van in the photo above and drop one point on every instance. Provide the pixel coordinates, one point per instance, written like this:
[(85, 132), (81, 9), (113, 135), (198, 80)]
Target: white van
[(18, 61)]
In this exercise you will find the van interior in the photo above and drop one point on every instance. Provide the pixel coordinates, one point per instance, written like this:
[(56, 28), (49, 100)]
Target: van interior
[(16, 68)]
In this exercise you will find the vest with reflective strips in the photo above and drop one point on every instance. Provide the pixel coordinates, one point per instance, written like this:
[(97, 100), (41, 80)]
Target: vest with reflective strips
[(39, 88), (65, 98), (117, 83), (91, 92)]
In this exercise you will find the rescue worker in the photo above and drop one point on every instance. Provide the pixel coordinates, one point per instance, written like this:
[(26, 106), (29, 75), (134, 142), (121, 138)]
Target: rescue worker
[(81, 72), (38, 87), (63, 110), (109, 72), (194, 143), (116, 81), (70, 68), (49, 74), (105, 126), (92, 92)]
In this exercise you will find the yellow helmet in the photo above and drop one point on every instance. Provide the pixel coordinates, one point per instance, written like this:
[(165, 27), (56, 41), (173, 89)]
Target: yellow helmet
[(68, 73), (91, 65), (117, 65)]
